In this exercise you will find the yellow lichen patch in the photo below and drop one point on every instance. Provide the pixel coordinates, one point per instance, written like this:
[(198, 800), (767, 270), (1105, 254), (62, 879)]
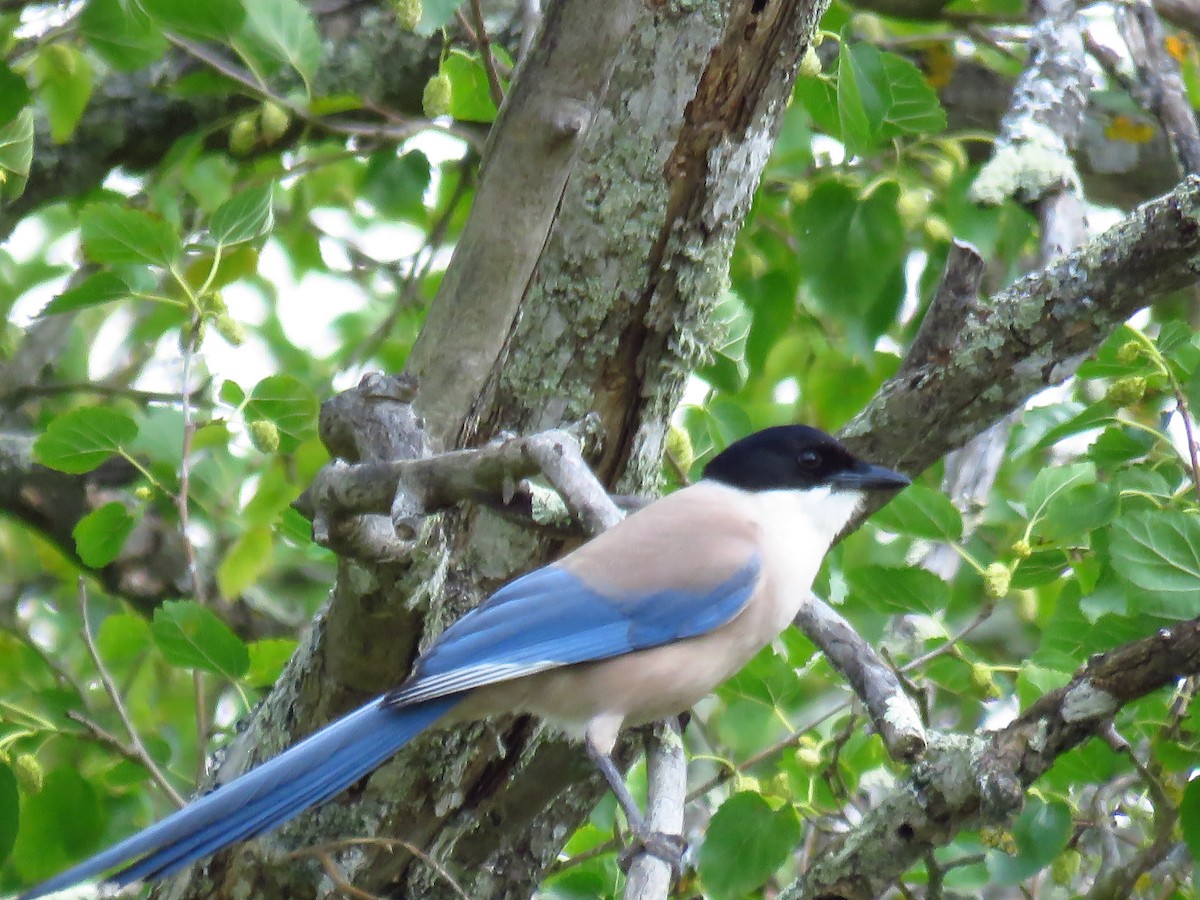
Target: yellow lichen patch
[(1177, 45), (1129, 130), (937, 64)]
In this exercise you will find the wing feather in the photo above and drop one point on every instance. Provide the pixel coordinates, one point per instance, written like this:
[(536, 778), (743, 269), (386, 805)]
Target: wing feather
[(551, 618)]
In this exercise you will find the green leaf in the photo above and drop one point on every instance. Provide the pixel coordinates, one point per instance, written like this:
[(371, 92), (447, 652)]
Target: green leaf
[(860, 108), (122, 639), (820, 99), (16, 154), (102, 287), (396, 185), (435, 14), (1054, 481), (834, 225), (1071, 636), (216, 20), (244, 216), (882, 95), (746, 843), (122, 34), (232, 393), (64, 78), (14, 93), (921, 512), (1189, 818), (267, 659), (1159, 551), (246, 560), (768, 679), (59, 824), (1043, 567), (470, 97), (100, 535), (729, 371), (10, 810), (1078, 511), (285, 31), (283, 400), (893, 590), (191, 637), (914, 106), (113, 234), (82, 439), (1090, 417), (1041, 833)]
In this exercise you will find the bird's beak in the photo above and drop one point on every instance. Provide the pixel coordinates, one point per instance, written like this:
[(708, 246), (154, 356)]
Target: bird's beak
[(870, 477)]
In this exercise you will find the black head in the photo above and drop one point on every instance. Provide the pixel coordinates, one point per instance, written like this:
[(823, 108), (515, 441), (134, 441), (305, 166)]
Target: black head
[(796, 457)]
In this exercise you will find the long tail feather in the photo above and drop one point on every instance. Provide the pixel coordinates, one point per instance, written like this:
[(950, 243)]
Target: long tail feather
[(309, 773)]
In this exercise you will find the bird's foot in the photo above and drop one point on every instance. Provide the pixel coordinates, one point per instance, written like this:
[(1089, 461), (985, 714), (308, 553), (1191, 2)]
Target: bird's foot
[(667, 847)]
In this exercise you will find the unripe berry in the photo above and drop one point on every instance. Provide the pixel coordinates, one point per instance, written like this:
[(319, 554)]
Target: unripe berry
[(436, 99), (937, 230), (274, 121), (810, 64), (243, 135), (679, 448), (809, 757), (983, 681), (1127, 390), (408, 13), (230, 329), (996, 578), (1066, 866), (1129, 353), (264, 435)]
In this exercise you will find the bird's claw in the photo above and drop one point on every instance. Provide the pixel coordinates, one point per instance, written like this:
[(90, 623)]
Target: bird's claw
[(667, 847)]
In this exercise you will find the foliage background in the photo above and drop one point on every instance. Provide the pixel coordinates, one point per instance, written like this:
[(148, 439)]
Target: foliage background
[(164, 305)]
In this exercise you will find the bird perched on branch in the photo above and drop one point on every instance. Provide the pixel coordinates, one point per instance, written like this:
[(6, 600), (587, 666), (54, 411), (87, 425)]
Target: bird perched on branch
[(636, 625)]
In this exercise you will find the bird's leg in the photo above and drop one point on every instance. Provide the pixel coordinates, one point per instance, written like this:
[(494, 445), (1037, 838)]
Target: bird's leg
[(667, 847)]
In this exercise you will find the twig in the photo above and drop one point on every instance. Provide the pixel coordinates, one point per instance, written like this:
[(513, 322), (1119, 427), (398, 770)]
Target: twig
[(792, 739), (531, 14), (1159, 72), (10, 623), (416, 273), (1110, 61), (1118, 881), (650, 877), (560, 459), (182, 505), (387, 843), (339, 880), (137, 750), (1181, 406), (103, 390), (478, 36), (401, 130), (894, 718)]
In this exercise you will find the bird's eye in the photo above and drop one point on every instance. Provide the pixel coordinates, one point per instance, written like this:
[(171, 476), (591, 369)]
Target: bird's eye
[(810, 460)]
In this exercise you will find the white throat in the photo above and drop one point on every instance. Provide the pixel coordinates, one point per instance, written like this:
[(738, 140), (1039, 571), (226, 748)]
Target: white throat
[(815, 516), (797, 528)]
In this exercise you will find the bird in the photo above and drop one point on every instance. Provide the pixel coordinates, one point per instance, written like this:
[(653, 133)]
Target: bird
[(633, 626)]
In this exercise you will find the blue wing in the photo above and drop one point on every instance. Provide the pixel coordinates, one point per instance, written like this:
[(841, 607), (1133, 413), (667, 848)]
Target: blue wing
[(551, 618)]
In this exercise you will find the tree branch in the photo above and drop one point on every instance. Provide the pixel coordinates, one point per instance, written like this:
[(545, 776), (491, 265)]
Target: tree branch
[(1033, 334), (895, 718), (966, 782)]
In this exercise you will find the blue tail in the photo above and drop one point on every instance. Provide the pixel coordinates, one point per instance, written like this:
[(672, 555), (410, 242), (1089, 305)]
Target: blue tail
[(309, 773)]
